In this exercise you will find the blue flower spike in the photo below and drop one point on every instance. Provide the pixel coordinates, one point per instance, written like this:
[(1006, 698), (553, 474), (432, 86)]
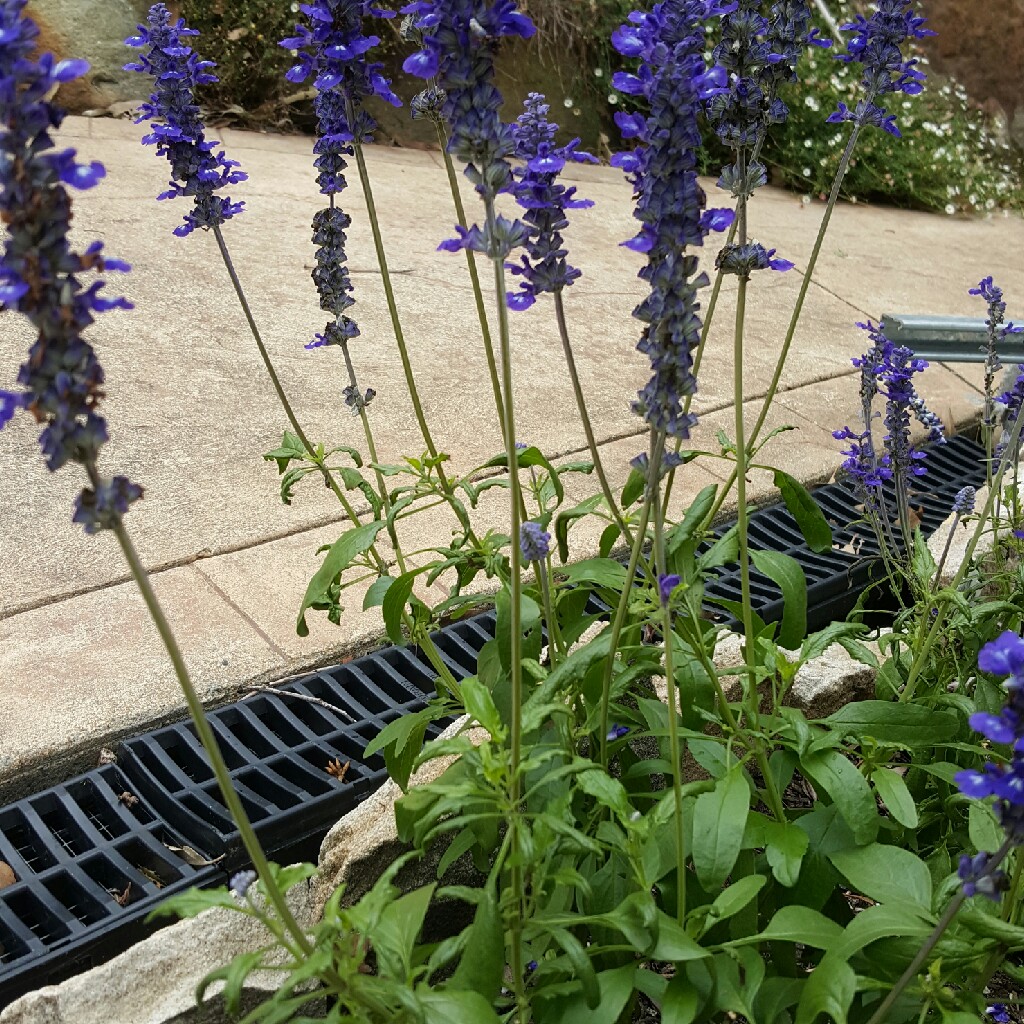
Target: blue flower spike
[(199, 170), (42, 276)]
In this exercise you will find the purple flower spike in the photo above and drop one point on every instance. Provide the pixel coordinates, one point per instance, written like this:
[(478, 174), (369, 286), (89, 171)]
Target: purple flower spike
[(544, 268), (875, 43), (616, 732), (534, 542), (666, 584), (43, 277), (675, 82), (197, 169)]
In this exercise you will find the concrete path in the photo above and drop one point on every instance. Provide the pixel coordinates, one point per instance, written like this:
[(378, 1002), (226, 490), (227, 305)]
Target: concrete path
[(191, 411)]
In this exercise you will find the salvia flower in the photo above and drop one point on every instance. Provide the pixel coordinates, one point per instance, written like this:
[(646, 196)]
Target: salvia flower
[(977, 877), (41, 276), (667, 582), (331, 276), (999, 1013), (789, 31), (616, 732), (998, 331), (875, 43), (743, 260), (545, 267), (1002, 779), (198, 170), (896, 384), (675, 82), (534, 542), (331, 48), (963, 503), (241, 881), (459, 38)]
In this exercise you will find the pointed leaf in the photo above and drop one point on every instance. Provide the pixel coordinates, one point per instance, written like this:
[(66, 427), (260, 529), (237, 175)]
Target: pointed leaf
[(719, 821), (894, 794), (785, 571), (805, 510), (483, 963), (830, 771), (888, 874)]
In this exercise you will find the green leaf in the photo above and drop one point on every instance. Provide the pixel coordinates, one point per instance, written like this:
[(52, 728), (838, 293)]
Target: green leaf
[(480, 705), (888, 874), (695, 515), (234, 976), (395, 933), (786, 572), (634, 488), (674, 943), (603, 572), (991, 926), (376, 591), (528, 457), (615, 989), (732, 900), (681, 1001), (905, 724), (393, 605), (880, 922), (894, 794), (401, 741), (606, 791), (805, 511), (565, 520), (193, 902), (443, 1007), (831, 771), (719, 820), (829, 990), (818, 643), (291, 448), (725, 549), (583, 968), (483, 963), (785, 846), (803, 925), (986, 833), (342, 553)]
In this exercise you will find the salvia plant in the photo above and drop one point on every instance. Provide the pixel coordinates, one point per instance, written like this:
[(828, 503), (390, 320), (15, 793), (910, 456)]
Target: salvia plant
[(649, 833)]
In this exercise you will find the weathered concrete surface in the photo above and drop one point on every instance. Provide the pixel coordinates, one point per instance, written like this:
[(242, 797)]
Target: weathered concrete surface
[(155, 981), (191, 410)]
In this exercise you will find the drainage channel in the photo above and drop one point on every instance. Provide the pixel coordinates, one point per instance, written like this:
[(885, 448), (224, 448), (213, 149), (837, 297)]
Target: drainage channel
[(93, 856)]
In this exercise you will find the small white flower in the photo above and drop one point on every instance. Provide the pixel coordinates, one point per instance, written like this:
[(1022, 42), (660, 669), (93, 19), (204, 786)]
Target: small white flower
[(950, 209), (806, 200), (808, 143), (599, 72), (568, 103), (812, 102), (807, 172), (612, 98)]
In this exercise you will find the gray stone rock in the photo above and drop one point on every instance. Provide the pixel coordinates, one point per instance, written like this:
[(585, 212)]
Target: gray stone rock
[(94, 30), (155, 981)]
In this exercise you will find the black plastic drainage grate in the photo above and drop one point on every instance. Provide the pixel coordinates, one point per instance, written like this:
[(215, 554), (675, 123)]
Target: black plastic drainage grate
[(279, 748), (93, 856), (836, 578), (91, 859)]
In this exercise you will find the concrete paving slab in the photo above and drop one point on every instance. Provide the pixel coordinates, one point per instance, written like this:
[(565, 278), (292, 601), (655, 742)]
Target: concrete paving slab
[(191, 409)]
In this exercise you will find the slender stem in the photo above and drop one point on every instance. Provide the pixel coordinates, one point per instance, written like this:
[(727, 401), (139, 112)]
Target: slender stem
[(371, 447), (515, 618), (276, 381), (555, 645), (880, 1015), (945, 550), (588, 429), (674, 709), (805, 285), (389, 293), (617, 623), (209, 741), (474, 277)]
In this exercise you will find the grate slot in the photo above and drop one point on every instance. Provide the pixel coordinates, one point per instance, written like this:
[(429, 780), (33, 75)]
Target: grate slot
[(118, 880), (103, 818), (115, 784), (14, 937), (248, 730), (27, 842), (35, 915), (301, 777), (75, 899), (158, 871)]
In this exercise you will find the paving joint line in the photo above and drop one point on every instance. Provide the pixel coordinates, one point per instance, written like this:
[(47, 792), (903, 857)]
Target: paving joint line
[(244, 615), (195, 559)]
